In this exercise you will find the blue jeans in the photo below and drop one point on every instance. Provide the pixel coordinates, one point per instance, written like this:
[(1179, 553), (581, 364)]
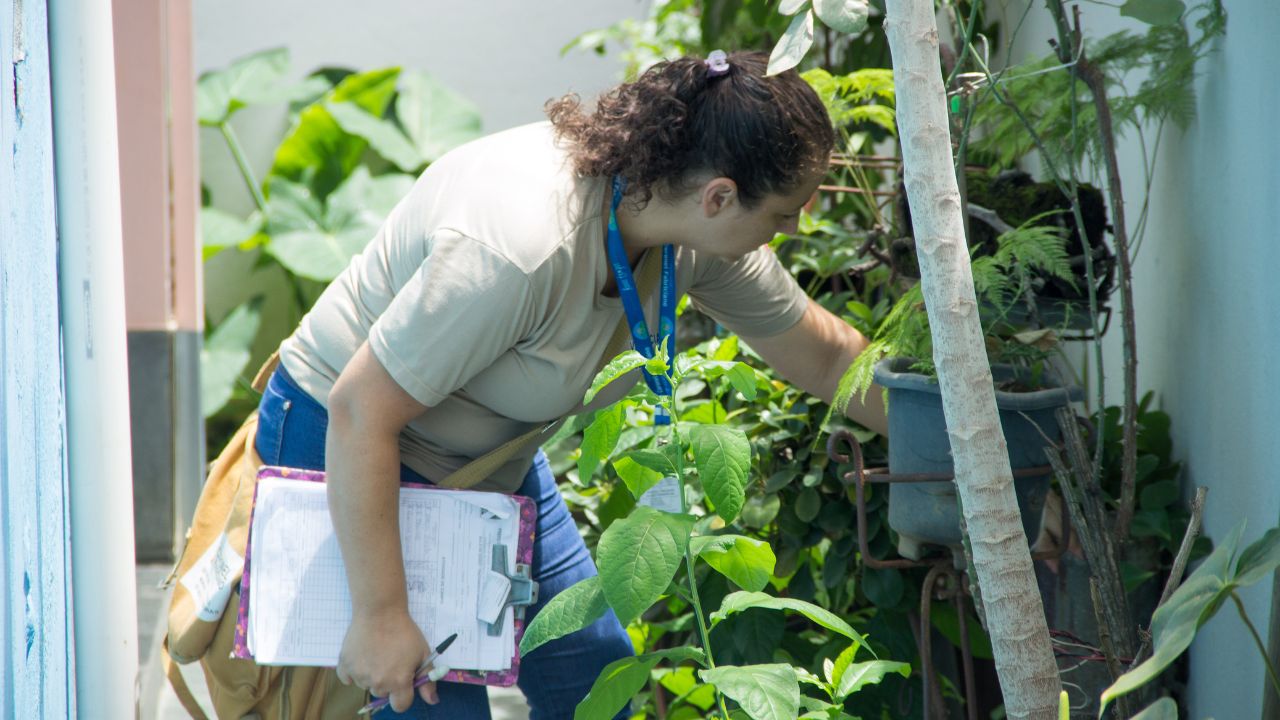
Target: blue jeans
[(556, 676)]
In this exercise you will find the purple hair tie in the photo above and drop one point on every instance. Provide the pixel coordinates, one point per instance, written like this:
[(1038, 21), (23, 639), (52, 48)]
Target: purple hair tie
[(717, 63)]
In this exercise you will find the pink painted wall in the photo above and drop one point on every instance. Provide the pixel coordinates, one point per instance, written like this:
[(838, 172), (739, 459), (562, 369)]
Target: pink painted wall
[(159, 186)]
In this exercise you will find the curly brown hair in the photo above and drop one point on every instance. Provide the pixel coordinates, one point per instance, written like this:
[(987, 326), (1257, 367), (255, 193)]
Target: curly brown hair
[(764, 133)]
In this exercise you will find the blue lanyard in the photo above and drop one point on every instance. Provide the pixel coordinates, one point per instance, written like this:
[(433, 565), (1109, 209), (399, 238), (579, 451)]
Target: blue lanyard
[(641, 340)]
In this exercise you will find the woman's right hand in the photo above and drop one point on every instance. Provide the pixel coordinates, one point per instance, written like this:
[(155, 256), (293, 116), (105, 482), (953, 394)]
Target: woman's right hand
[(382, 653)]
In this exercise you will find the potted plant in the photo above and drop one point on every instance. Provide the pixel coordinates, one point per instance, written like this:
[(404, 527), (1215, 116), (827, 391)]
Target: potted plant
[(1021, 342)]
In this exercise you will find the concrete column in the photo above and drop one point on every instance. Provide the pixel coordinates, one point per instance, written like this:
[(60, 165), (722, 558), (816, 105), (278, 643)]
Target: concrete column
[(159, 190)]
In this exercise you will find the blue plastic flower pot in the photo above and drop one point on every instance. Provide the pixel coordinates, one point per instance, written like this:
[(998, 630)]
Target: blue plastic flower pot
[(928, 512)]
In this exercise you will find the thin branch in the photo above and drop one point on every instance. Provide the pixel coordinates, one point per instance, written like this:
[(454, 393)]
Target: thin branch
[(1179, 566)]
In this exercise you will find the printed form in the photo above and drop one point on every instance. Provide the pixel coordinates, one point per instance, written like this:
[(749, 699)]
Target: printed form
[(299, 601)]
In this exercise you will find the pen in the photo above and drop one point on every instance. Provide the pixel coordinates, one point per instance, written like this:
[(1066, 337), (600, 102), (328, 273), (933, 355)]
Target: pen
[(422, 678)]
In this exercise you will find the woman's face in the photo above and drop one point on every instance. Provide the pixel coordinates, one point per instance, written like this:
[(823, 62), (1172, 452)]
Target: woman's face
[(735, 231)]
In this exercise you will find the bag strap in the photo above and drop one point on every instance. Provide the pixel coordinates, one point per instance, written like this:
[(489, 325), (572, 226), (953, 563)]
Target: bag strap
[(485, 465), (179, 683)]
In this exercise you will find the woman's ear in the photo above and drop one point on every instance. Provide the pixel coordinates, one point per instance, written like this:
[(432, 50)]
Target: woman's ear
[(718, 195)]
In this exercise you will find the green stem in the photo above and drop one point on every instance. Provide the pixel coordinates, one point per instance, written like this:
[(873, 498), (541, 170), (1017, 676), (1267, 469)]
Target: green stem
[(242, 162), (1271, 669), (703, 632)]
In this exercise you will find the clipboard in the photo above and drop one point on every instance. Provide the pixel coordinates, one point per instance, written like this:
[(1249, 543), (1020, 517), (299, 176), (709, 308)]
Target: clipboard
[(522, 592)]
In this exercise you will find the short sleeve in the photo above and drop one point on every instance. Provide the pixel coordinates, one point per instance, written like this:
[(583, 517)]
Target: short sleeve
[(753, 296), (464, 307)]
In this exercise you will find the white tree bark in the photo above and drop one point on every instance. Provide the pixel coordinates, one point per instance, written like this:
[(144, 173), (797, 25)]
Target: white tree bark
[(984, 481)]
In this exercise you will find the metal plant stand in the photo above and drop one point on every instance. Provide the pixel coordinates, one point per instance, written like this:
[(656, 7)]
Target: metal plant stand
[(943, 580)]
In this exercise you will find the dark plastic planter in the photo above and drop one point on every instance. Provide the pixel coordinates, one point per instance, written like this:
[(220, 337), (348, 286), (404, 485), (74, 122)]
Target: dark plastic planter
[(928, 512)]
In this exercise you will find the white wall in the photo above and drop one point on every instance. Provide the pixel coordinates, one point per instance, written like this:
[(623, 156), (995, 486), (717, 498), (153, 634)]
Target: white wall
[(1206, 298), (504, 55)]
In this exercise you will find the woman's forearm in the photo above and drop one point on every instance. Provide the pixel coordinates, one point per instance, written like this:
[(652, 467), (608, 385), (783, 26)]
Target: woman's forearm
[(363, 476)]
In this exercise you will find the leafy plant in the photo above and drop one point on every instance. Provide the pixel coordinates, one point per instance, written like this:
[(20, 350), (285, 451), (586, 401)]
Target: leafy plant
[(1199, 598), (355, 142), (642, 551)]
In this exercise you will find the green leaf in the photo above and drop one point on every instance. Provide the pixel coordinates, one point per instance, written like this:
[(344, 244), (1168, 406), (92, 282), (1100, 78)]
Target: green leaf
[(1163, 709), (871, 672), (219, 229), (1174, 624), (1258, 560), (743, 379), (317, 147), (883, 587), (791, 7), (678, 655), (760, 510), (846, 16), (684, 684), (727, 349), (249, 80), (739, 601), (1154, 12), (364, 200), (318, 255), (661, 461), (225, 355), (1159, 495), (793, 46), (382, 135), (436, 118), (637, 477), (573, 609), (808, 504), (723, 458), (598, 440), (746, 561), (613, 689), (764, 692), (617, 367), (638, 555)]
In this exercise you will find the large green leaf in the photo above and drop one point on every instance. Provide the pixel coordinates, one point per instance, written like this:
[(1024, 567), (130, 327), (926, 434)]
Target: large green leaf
[(436, 118), (662, 460), (364, 199), (723, 458), (318, 243), (382, 135), (795, 42), (637, 477), (791, 7), (220, 229), (614, 688), (739, 601), (252, 79), (1174, 624), (573, 609), (678, 655), (1163, 709), (317, 147), (1154, 12), (858, 675), (319, 255), (1259, 560), (617, 367), (846, 16), (764, 692), (225, 355), (746, 561), (598, 440), (638, 555)]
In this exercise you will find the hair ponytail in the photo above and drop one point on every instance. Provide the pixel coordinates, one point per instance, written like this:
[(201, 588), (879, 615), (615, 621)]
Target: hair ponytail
[(680, 118)]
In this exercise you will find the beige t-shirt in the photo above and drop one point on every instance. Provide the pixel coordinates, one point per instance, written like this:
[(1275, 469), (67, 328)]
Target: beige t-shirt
[(481, 296)]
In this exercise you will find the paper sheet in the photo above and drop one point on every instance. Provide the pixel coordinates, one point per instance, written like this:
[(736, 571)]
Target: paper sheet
[(299, 601)]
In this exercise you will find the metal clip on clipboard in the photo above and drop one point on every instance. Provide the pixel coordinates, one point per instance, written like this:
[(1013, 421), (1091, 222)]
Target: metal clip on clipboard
[(524, 590)]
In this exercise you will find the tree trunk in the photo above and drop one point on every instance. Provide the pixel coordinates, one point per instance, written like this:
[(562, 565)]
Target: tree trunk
[(984, 481)]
